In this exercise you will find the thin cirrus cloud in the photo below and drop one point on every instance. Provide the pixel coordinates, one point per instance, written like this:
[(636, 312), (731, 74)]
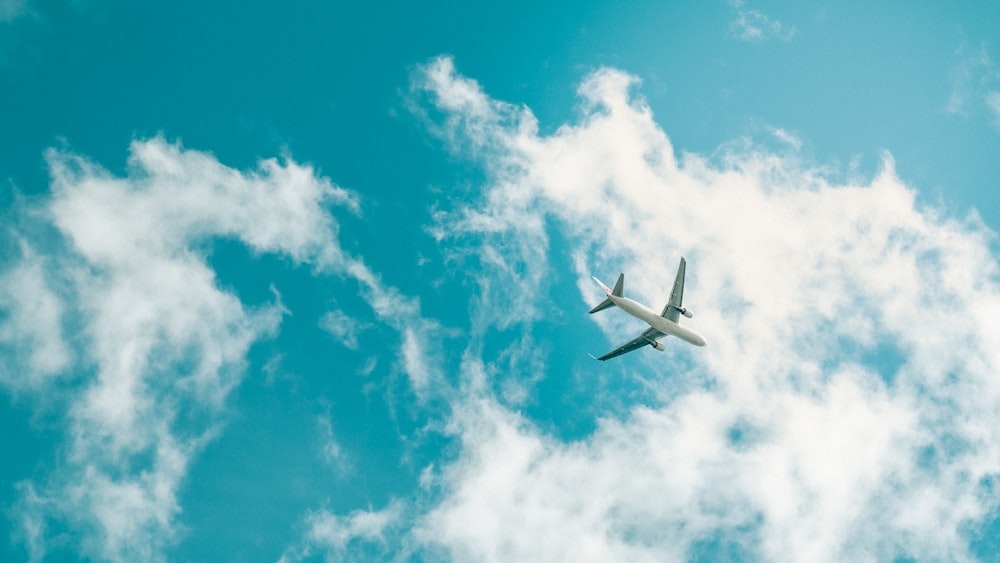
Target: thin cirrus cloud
[(126, 291), (12, 9), (752, 25), (361, 535), (343, 327), (974, 79), (852, 354), (993, 102)]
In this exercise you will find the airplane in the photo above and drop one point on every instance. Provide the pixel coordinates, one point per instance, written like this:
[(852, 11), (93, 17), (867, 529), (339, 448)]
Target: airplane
[(664, 324)]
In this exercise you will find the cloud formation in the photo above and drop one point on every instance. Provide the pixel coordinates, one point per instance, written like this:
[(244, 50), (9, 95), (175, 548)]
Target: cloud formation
[(993, 103), (843, 409), (342, 327), (114, 315), (33, 324), (752, 25), (359, 536), (121, 304), (974, 84)]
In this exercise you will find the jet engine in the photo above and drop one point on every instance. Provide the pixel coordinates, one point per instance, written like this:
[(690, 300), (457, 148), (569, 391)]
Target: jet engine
[(658, 345), (685, 312)]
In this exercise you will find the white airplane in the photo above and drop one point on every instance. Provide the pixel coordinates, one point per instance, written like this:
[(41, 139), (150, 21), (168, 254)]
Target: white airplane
[(664, 324)]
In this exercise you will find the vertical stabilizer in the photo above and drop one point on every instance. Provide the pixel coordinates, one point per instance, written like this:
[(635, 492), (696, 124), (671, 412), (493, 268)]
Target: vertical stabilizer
[(619, 289)]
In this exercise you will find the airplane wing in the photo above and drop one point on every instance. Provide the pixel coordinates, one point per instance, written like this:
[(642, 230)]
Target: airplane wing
[(672, 311), (644, 339)]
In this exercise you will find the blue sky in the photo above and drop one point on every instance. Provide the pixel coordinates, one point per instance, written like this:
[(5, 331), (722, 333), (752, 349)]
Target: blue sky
[(310, 281)]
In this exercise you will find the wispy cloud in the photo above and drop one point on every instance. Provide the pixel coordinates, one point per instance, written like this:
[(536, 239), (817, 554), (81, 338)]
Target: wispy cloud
[(420, 338), (343, 327), (508, 245), (121, 302), (32, 334), (993, 103), (155, 340), (974, 82), (787, 137), (752, 25), (832, 429), (330, 450), (346, 538), (12, 9)]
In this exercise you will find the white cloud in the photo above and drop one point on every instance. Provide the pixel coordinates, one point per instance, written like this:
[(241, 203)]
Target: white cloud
[(331, 451), (343, 327), (753, 25), (974, 78), (274, 209), (158, 341), (852, 359), (787, 137), (340, 537), (129, 309), (420, 338), (650, 487), (33, 324), (28, 517), (993, 103)]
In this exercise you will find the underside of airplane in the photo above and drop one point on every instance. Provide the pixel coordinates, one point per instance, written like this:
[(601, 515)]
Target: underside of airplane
[(667, 323)]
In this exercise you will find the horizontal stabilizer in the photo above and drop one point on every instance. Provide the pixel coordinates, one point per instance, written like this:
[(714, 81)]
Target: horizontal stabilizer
[(617, 292), (602, 305)]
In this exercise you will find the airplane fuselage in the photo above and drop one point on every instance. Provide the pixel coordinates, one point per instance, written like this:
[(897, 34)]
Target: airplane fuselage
[(653, 319)]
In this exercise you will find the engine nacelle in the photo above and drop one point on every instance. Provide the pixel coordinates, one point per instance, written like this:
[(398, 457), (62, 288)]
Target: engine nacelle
[(685, 312), (658, 345)]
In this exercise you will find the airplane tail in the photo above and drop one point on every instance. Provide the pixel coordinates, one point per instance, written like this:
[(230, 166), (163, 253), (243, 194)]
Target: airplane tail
[(618, 291)]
